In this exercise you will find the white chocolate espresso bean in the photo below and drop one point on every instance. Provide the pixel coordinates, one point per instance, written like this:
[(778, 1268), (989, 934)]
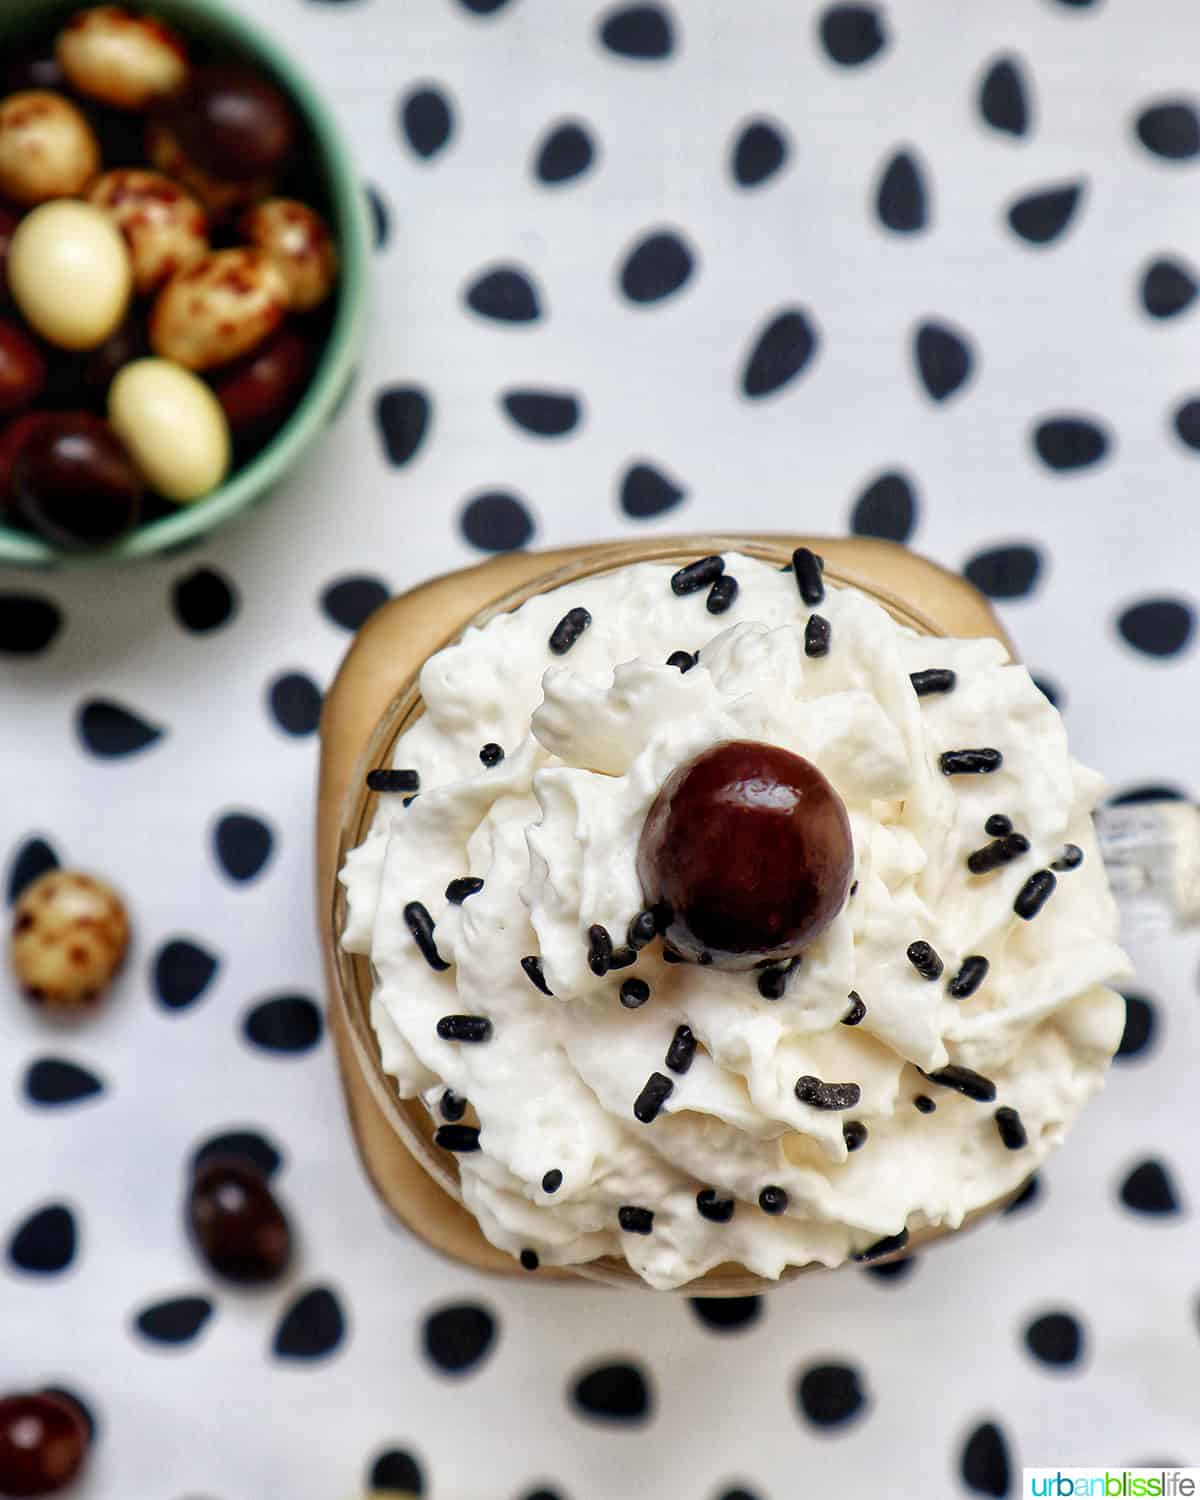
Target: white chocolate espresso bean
[(219, 310), (297, 239), (122, 59), (164, 226), (47, 148), (69, 273), (173, 426)]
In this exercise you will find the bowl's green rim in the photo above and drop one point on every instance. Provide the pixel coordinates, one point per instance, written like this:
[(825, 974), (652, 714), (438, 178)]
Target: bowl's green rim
[(336, 368)]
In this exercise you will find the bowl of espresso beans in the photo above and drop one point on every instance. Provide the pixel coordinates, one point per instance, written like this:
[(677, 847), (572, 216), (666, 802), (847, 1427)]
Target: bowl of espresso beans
[(183, 272)]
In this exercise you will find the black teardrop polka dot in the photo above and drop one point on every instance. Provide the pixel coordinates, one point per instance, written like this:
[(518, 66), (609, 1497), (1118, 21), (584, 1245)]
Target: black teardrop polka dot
[(727, 1314), (943, 359), (1148, 1189), (45, 1243), (985, 1466), (242, 1145), (482, 8), (1141, 1027), (295, 703), (782, 350), (647, 491), (902, 199), (284, 1023), (28, 623), (1167, 287), (204, 600), (1186, 422), (657, 266), (1055, 1338), (402, 414), (886, 508), (1004, 97), (642, 32), (397, 1469), (544, 413), (737, 1494), (350, 602), (1026, 1198), (33, 858), (851, 34), (54, 1081), (180, 973), (1042, 216), (177, 1321), (427, 120), (1157, 627), (566, 152), (110, 730), (831, 1395), (312, 1327), (618, 1393), (1170, 129), (542, 1493), (496, 522), (243, 844), (1154, 791), (458, 1337), (1049, 689), (1008, 572), (1066, 443), (893, 1270), (760, 150), (381, 217), (504, 294)]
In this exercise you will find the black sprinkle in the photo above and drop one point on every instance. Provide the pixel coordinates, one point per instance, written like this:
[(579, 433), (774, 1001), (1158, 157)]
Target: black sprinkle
[(622, 958), (600, 950), (657, 1091), (452, 1106), (1011, 1128), (568, 630), (420, 924), (924, 1104), (970, 762), (409, 800), (998, 825), (773, 1200), (533, 969), (642, 929), (491, 754), (933, 680), (883, 1247), (810, 1090), (923, 958), (966, 1081), (1001, 851), (529, 1260), (816, 636), (857, 1009), (634, 992), (636, 1220), (552, 1181), (684, 660), (697, 575), (772, 982), (1070, 858), (1034, 894), (807, 567), (682, 1050), (466, 885), (969, 977), (457, 1138), (715, 1210), (722, 594), (393, 781), (854, 889), (464, 1029), (854, 1133)]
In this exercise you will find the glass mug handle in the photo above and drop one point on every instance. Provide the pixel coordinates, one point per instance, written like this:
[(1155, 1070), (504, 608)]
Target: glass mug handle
[(1151, 851)]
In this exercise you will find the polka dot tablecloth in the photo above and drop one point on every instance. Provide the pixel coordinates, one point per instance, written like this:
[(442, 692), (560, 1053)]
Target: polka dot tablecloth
[(913, 269)]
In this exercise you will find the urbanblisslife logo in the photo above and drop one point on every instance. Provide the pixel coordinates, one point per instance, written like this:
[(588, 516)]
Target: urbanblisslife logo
[(1119, 1484)]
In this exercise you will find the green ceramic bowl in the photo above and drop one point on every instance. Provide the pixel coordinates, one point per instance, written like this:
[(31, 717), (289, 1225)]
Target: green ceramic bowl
[(219, 27)]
